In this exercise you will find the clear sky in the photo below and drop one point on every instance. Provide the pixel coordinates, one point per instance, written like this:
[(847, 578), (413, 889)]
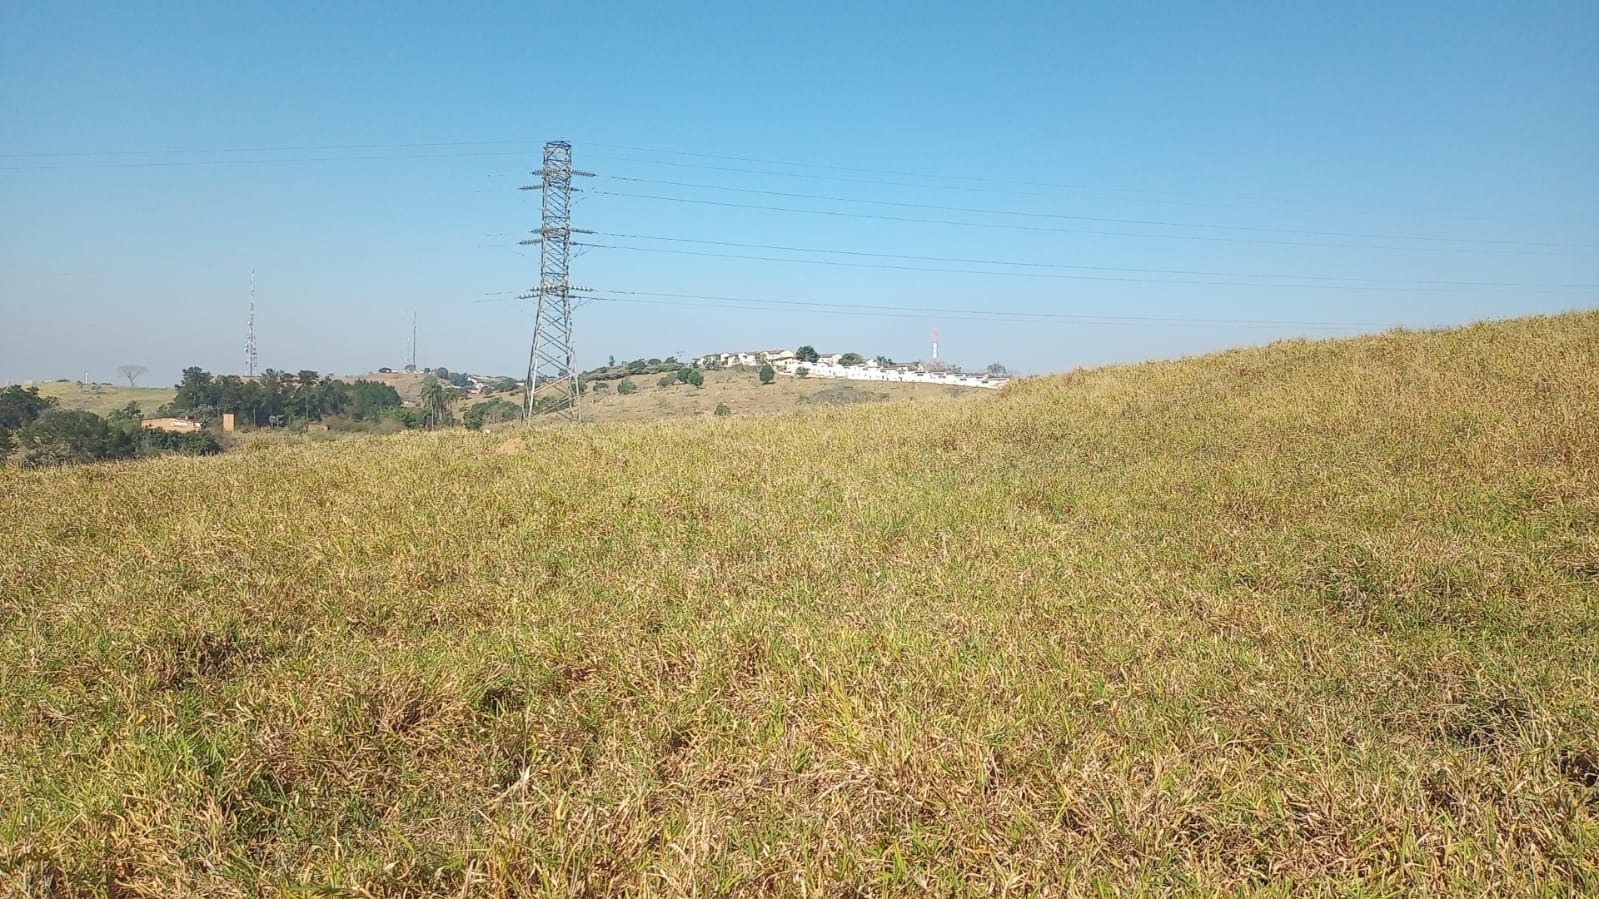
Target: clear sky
[(1078, 183)]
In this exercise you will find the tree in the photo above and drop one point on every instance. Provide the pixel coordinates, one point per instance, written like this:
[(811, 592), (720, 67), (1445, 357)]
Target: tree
[(368, 399), (884, 361), (194, 390), (694, 378), (626, 386), (666, 381), (767, 373), (435, 400), (495, 410), (610, 362), (997, 370), (19, 406), (131, 372), (851, 359), (62, 436), (807, 353), (194, 443)]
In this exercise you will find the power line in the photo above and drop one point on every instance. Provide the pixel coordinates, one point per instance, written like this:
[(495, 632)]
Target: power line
[(1076, 192), (1058, 230), (899, 204), (1095, 268), (1137, 193), (765, 304), (985, 189), (1047, 275), (1026, 183), (184, 163), (274, 149)]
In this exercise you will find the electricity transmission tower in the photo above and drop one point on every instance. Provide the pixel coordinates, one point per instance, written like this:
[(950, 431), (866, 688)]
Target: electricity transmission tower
[(551, 366), (249, 342)]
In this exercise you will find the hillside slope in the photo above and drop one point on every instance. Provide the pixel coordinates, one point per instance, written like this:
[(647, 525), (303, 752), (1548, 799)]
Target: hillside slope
[(744, 394), (104, 399), (1315, 616)]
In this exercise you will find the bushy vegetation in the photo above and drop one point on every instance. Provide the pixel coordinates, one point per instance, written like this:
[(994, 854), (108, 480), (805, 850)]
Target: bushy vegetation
[(277, 398), (1312, 619), (617, 371), (491, 412), (39, 433)]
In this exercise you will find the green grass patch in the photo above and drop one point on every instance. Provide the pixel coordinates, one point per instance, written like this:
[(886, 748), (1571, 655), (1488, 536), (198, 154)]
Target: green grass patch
[(103, 399)]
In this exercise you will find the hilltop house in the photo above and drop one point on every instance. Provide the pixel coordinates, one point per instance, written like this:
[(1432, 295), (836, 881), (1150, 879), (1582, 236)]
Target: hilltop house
[(745, 357)]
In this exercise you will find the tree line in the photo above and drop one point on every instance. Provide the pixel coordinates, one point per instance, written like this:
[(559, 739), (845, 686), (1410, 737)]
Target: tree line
[(278, 399)]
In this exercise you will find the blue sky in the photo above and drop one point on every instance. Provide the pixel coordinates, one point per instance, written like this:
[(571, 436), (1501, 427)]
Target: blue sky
[(1135, 180)]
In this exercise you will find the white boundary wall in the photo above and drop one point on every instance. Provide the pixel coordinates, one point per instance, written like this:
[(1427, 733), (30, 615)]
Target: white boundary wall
[(861, 373)]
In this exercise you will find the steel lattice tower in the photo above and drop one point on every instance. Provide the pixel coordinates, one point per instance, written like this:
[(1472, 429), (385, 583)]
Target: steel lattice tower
[(551, 365), (249, 342)]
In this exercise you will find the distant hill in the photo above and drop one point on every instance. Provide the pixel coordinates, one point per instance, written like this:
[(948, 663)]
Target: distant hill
[(407, 383), (741, 392), (103, 399)]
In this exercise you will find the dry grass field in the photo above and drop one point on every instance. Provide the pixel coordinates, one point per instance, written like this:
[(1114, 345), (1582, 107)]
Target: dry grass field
[(1313, 618)]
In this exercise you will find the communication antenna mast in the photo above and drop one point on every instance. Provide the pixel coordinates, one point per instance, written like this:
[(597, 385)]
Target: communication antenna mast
[(935, 365), (413, 341), (249, 342), (551, 364)]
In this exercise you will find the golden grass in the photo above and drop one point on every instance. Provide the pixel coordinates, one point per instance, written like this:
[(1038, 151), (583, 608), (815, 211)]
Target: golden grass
[(1310, 618)]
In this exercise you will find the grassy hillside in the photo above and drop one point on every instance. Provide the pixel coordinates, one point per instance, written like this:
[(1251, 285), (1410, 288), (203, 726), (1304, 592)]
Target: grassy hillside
[(1317, 617), (103, 399), (408, 384)]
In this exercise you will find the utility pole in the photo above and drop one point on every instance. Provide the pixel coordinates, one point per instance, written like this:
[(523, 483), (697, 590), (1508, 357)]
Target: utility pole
[(413, 340), (249, 342), (551, 363)]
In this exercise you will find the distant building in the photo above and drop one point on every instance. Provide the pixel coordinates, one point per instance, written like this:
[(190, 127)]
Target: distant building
[(745, 357), (175, 425)]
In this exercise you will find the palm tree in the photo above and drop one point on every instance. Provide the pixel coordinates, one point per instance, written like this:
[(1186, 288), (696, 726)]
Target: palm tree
[(435, 398)]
